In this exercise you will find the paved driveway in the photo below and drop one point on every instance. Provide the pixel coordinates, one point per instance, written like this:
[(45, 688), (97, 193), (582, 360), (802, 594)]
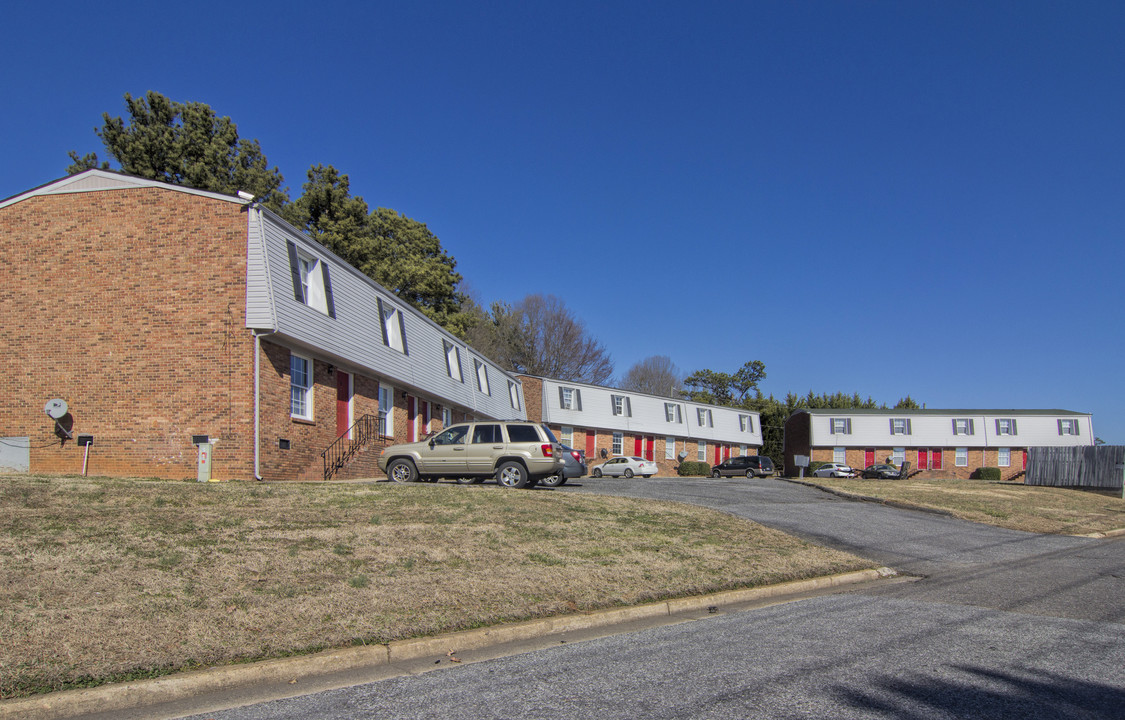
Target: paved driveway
[(1002, 624)]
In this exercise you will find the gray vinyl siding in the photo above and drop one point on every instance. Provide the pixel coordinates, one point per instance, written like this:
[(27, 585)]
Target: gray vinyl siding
[(259, 304), (354, 338), (647, 415), (933, 428)]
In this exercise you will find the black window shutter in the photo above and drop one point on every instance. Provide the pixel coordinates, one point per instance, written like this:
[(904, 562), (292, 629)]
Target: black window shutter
[(1014, 430), (908, 426), (892, 426), (954, 426), (295, 270), (562, 397), (1074, 424), (578, 398), (628, 408), (848, 426), (402, 332), (971, 431), (328, 289), (448, 365), (460, 365), (998, 426), (1060, 427), (383, 321)]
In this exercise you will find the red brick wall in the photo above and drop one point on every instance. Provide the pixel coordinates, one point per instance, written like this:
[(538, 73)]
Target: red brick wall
[(977, 458), (128, 304)]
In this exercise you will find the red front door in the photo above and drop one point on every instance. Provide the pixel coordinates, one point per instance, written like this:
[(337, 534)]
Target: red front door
[(935, 459), (650, 445), (589, 444), (637, 446), (411, 419), (868, 457), (923, 459), (1025, 459), (343, 403)]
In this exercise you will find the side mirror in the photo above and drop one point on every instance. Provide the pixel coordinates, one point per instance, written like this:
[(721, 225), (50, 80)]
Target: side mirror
[(431, 443)]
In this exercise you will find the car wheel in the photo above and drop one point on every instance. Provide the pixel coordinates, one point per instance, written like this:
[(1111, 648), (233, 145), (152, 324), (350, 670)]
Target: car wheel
[(628, 473), (597, 472), (715, 474), (553, 480), (646, 477), (512, 474), (749, 473), (402, 471)]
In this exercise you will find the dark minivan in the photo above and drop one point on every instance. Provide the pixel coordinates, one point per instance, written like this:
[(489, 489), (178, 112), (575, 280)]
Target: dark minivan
[(748, 465)]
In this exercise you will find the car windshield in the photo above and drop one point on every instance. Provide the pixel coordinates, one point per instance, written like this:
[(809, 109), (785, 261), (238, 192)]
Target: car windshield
[(453, 436)]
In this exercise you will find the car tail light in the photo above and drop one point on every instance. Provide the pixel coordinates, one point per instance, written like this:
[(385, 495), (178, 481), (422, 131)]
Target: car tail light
[(548, 450), (574, 454)]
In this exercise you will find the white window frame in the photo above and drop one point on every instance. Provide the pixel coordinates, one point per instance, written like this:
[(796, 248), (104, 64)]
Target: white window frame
[(701, 453), (900, 426), (618, 447), (1005, 426), (898, 456), (669, 448), (514, 395), (566, 435), (840, 455), (704, 417), (453, 361), (961, 457), (566, 399), (1068, 426), (446, 416), (742, 450), (301, 384), (671, 412), (392, 325), (962, 426), (386, 410), (839, 426), (482, 377), (312, 281), (1003, 457)]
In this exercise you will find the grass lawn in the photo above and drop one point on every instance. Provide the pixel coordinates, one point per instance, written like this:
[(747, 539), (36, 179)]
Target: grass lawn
[(1011, 505), (110, 579)]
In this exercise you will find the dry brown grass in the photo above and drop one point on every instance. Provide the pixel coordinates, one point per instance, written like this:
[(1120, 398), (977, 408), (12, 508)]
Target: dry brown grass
[(106, 579), (1033, 508)]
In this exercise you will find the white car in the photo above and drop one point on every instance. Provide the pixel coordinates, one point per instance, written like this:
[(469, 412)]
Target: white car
[(833, 470), (626, 466)]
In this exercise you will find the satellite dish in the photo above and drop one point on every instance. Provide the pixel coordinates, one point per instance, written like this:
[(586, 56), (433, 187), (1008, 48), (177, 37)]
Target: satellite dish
[(55, 408)]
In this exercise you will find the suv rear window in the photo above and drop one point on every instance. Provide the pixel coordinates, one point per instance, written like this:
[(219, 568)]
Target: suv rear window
[(523, 433), (487, 434)]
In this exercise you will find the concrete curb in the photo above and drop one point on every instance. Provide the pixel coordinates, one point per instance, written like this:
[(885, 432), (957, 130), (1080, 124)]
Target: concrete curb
[(144, 693)]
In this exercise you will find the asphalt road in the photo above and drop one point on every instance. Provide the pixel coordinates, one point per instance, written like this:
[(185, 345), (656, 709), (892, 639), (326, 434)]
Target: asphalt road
[(1001, 624)]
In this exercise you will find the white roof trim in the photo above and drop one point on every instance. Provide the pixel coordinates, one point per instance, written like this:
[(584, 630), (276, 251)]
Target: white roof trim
[(102, 180)]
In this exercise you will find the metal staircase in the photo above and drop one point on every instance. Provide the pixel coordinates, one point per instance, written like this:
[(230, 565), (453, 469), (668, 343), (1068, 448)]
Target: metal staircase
[(363, 432)]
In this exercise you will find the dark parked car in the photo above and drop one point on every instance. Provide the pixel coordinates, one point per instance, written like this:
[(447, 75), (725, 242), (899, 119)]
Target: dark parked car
[(748, 465), (881, 472), (574, 467)]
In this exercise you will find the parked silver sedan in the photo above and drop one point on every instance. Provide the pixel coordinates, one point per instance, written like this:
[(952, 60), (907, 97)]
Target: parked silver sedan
[(832, 469), (626, 467)]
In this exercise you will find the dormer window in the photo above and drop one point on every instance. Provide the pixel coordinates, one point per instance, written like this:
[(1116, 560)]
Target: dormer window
[(621, 406), (570, 398), (311, 283), (394, 326), (453, 361), (482, 377)]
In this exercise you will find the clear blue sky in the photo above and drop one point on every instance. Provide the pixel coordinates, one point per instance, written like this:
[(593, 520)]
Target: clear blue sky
[(889, 198)]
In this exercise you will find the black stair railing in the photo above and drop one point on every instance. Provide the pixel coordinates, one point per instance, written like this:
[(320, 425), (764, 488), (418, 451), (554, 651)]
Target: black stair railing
[(363, 432)]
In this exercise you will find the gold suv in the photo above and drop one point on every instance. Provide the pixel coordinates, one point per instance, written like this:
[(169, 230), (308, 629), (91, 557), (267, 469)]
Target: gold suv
[(517, 453)]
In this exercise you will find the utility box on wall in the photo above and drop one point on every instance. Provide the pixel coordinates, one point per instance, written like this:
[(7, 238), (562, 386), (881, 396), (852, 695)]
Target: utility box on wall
[(203, 466)]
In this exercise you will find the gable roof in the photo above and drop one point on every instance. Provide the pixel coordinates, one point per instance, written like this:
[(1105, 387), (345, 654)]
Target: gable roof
[(100, 180)]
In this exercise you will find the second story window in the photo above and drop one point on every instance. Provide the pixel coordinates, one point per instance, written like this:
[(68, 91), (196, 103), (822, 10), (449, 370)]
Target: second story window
[(514, 395), (312, 285), (453, 361), (963, 426), (704, 416), (1068, 427), (840, 426), (394, 327), (900, 426), (745, 423), (570, 398), (621, 406), (482, 377), (1005, 426)]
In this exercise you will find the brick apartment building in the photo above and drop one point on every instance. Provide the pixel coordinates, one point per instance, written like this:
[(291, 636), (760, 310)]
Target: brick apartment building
[(160, 313), (603, 422), (939, 443)]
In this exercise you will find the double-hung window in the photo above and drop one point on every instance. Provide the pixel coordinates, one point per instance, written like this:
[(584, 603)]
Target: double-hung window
[(514, 395), (621, 406), (961, 459), (570, 398), (840, 426), (1004, 457), (1005, 426), (962, 426), (1068, 427), (702, 453), (745, 423), (300, 387), (566, 436), (386, 411), (669, 448), (900, 426), (672, 413), (618, 443), (453, 361), (312, 285), (394, 326), (704, 417), (482, 376), (840, 455)]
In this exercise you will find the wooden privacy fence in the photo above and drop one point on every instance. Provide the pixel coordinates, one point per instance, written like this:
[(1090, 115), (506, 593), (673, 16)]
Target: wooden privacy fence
[(1088, 466)]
